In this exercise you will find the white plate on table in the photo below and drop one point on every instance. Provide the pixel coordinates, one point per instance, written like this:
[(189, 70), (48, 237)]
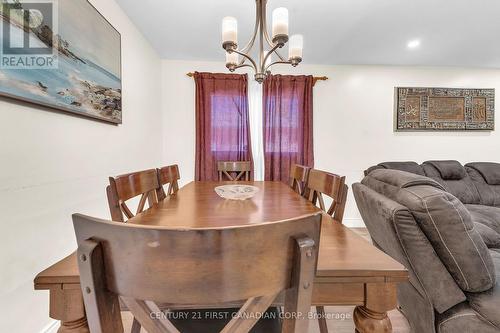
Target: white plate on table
[(236, 192)]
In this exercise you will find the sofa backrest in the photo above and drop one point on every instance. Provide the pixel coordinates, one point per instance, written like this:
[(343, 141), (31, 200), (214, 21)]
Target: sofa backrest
[(454, 178), (409, 166), (444, 221), (477, 183), (486, 178), (394, 230)]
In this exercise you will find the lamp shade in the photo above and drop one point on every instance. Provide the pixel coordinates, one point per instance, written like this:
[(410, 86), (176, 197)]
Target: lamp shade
[(229, 30), (295, 47), (280, 21)]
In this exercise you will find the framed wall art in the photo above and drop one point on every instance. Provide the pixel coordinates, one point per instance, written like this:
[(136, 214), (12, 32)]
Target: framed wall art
[(444, 109), (84, 77)]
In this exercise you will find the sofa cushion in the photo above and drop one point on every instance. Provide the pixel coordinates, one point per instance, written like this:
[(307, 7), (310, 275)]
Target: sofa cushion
[(462, 318), (409, 166), (449, 170), (487, 303), (490, 237), (454, 179), (446, 223), (487, 215), (490, 171), (489, 193), (380, 178), (487, 221)]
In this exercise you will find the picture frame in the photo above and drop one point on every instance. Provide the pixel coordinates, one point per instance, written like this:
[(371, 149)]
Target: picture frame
[(444, 109), (87, 80)]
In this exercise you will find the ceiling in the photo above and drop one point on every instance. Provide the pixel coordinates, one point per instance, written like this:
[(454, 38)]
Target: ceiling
[(347, 32)]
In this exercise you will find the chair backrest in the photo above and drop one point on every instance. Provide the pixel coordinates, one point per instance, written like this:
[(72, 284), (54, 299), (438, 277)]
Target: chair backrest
[(168, 175), (234, 170), (126, 187), (147, 265), (298, 178), (321, 183)]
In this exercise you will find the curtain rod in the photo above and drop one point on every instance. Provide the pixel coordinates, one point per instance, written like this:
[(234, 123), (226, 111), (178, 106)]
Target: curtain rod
[(315, 79)]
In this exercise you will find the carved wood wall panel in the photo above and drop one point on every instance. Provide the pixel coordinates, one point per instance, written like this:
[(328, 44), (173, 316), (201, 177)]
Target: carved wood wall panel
[(445, 109)]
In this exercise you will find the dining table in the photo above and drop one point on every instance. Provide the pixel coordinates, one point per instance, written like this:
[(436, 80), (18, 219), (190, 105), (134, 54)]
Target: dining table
[(350, 270)]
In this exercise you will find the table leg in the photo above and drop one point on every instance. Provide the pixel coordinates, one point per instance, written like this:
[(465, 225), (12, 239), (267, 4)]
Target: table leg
[(67, 306), (372, 316)]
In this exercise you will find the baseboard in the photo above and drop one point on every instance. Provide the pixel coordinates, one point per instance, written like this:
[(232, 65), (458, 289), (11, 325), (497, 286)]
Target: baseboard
[(52, 327)]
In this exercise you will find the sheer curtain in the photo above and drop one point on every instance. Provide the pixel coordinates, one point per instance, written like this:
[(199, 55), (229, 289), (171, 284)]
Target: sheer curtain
[(256, 132), (222, 122), (288, 124)]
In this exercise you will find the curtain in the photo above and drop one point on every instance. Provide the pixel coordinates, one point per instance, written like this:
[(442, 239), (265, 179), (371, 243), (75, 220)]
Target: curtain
[(256, 128), (222, 124), (288, 124)]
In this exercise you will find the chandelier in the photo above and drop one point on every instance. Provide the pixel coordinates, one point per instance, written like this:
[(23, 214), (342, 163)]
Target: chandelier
[(275, 42)]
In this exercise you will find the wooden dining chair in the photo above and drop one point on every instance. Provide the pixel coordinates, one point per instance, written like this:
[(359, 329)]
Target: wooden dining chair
[(321, 183), (125, 187), (298, 178), (234, 170), (168, 175), (147, 265)]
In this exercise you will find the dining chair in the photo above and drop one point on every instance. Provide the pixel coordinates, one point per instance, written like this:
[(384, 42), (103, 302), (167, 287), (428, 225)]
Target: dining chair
[(168, 175), (125, 187), (145, 266), (321, 183), (298, 177), (234, 170)]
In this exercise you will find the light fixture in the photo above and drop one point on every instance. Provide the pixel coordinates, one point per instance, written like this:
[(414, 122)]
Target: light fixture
[(279, 37), (413, 44)]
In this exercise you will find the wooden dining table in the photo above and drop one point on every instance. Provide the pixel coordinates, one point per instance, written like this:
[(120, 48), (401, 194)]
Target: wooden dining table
[(350, 270)]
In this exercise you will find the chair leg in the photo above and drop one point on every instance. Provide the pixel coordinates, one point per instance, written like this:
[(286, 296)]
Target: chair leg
[(323, 328), (136, 327)]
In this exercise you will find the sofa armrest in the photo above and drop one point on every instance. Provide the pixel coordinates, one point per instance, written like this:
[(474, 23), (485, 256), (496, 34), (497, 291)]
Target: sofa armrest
[(396, 232)]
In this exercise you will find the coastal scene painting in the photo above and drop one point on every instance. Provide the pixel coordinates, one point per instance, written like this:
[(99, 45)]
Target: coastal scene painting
[(87, 78)]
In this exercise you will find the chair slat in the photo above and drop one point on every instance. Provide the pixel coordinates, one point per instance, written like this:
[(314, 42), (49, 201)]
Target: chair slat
[(146, 313), (249, 314), (142, 202)]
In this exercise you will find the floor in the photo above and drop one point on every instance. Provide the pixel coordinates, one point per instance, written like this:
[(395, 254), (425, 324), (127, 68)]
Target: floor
[(339, 317)]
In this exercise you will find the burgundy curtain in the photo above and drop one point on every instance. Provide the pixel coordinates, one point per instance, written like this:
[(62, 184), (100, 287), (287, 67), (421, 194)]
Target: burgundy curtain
[(222, 124), (288, 124)]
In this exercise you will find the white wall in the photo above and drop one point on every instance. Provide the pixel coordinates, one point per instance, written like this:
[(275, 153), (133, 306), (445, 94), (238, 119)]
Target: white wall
[(353, 118), (54, 164)]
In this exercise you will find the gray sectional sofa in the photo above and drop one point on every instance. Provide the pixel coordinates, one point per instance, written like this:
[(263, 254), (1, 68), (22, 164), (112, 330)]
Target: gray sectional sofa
[(442, 221)]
